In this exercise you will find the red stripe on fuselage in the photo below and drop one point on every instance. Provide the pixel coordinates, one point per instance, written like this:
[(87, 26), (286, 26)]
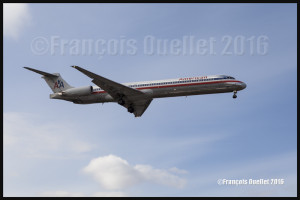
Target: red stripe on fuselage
[(175, 85)]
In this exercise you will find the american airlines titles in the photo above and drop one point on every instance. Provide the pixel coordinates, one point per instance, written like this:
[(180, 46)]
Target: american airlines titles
[(192, 78)]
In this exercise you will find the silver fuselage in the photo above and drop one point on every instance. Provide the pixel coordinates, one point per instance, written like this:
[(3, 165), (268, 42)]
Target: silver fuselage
[(165, 88)]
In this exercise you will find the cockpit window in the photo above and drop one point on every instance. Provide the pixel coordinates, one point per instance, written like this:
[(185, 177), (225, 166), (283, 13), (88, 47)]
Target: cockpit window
[(229, 77)]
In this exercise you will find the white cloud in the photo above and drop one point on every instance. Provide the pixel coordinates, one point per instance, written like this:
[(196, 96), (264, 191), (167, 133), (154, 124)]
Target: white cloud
[(61, 193), (113, 173), (26, 136), (178, 171), (109, 194), (160, 176), (16, 17)]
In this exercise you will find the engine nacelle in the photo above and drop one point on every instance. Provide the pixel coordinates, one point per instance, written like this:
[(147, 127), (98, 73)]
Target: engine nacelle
[(80, 91)]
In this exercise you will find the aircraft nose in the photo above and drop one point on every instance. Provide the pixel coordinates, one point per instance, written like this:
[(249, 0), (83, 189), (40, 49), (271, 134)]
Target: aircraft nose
[(243, 85)]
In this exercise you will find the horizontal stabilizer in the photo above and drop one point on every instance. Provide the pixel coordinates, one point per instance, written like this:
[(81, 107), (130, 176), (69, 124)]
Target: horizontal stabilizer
[(41, 72), (54, 81)]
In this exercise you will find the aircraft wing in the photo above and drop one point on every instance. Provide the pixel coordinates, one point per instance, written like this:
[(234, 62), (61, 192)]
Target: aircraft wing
[(140, 106), (137, 99)]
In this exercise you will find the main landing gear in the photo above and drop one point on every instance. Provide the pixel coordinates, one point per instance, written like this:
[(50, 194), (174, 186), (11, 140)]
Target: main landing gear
[(120, 99), (121, 102), (130, 109), (234, 94)]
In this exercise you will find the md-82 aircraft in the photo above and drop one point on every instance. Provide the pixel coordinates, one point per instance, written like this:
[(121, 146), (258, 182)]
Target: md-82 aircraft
[(137, 96)]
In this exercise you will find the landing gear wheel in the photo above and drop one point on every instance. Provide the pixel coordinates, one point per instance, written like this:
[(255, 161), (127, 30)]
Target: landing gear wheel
[(121, 102), (234, 94), (130, 109)]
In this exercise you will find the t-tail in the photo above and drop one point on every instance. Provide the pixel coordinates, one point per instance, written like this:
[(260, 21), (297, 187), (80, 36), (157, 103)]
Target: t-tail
[(55, 81)]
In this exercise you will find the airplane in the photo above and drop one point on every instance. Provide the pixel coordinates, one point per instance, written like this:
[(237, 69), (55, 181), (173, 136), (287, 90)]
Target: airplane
[(136, 96)]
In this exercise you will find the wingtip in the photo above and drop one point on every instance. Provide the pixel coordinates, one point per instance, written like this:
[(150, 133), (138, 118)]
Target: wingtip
[(28, 68), (75, 66)]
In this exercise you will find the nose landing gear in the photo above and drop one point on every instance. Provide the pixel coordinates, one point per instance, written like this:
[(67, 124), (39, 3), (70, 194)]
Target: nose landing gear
[(234, 94)]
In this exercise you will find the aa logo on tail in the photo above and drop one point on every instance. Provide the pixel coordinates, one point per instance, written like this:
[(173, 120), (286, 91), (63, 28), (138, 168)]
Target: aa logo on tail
[(59, 84)]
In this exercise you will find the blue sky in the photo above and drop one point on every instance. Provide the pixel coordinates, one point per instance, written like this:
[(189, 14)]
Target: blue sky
[(180, 146)]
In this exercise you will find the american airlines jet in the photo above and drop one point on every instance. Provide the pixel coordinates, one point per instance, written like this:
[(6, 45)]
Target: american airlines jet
[(137, 96)]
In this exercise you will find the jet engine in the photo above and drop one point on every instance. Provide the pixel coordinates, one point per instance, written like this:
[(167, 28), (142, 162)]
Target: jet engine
[(80, 91)]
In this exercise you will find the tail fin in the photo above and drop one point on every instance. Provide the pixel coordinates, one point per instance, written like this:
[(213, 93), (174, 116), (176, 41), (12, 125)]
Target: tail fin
[(55, 81)]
